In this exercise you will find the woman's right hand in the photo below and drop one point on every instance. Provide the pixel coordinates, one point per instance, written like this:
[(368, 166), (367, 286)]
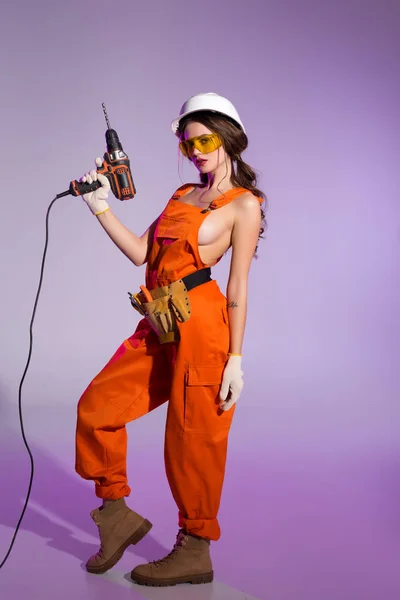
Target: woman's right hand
[(96, 200)]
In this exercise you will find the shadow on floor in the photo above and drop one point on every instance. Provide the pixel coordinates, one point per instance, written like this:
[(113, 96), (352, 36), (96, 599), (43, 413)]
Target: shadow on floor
[(56, 495)]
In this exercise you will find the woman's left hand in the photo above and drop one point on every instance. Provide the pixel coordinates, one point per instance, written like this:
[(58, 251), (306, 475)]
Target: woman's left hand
[(232, 381)]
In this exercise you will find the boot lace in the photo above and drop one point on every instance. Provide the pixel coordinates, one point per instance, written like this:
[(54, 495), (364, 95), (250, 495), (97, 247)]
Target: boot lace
[(101, 549), (181, 541)]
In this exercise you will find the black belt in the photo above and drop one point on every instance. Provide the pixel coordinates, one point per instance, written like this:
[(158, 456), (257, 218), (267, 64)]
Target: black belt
[(197, 278)]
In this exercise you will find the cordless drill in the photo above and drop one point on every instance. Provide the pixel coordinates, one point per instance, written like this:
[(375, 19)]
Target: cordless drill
[(116, 167)]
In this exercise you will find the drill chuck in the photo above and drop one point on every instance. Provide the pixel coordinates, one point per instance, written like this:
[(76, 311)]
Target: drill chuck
[(112, 141)]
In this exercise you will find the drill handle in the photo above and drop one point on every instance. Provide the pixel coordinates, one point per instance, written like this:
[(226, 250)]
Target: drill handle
[(76, 188)]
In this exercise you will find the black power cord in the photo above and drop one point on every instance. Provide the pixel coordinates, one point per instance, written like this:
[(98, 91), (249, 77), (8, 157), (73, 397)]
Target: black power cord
[(22, 381)]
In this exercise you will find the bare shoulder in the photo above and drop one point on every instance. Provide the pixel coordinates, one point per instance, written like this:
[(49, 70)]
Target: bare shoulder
[(247, 204)]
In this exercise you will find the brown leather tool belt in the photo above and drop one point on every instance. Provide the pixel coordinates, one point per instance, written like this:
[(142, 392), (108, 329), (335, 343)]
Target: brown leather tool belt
[(164, 306)]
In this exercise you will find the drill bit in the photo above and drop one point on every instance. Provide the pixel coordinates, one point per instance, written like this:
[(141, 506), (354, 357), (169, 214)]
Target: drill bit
[(106, 115)]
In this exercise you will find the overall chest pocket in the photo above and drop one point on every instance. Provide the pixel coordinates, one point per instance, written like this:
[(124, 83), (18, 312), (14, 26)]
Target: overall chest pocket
[(171, 237), (171, 228)]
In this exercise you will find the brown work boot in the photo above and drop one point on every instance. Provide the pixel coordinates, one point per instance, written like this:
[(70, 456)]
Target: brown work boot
[(119, 526), (188, 562)]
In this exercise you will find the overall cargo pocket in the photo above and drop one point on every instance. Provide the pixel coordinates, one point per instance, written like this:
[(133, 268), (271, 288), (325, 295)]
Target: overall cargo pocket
[(202, 412)]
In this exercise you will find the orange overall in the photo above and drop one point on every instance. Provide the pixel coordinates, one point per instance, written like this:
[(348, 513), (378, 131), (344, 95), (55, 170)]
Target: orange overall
[(143, 374)]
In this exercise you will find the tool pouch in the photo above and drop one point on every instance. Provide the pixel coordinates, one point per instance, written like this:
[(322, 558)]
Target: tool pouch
[(179, 300), (170, 304), (161, 318)]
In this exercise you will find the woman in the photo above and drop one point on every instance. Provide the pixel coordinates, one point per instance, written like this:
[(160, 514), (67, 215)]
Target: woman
[(198, 369)]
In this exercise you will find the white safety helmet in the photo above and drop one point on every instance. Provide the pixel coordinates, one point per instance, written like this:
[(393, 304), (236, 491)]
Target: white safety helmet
[(208, 101)]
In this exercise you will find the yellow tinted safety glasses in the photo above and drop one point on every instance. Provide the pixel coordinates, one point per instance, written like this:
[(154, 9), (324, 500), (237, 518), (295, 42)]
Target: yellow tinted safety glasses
[(204, 143)]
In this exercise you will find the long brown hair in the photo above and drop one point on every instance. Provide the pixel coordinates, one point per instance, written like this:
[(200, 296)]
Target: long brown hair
[(234, 142)]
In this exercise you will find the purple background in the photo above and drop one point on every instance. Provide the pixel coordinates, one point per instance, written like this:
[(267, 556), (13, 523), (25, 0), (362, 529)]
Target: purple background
[(310, 509)]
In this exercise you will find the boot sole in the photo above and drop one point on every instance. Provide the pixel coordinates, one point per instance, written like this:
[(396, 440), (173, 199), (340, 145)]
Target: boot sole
[(133, 540), (194, 579)]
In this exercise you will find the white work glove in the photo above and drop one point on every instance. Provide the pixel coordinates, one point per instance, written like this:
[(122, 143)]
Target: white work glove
[(96, 200), (232, 381)]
